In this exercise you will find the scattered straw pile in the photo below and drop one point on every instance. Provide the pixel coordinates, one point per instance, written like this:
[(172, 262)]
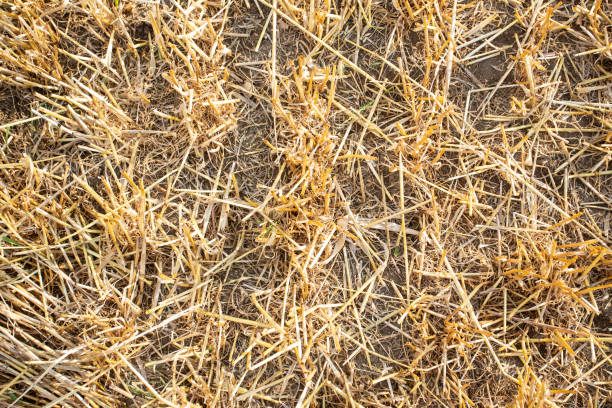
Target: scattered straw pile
[(309, 203)]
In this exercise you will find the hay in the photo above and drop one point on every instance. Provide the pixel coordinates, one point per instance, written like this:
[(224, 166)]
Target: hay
[(305, 203)]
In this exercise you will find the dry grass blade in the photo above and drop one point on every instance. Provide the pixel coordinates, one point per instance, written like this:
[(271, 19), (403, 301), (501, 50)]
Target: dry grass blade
[(309, 203)]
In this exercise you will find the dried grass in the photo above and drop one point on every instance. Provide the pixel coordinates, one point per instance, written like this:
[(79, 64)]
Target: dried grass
[(305, 203)]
